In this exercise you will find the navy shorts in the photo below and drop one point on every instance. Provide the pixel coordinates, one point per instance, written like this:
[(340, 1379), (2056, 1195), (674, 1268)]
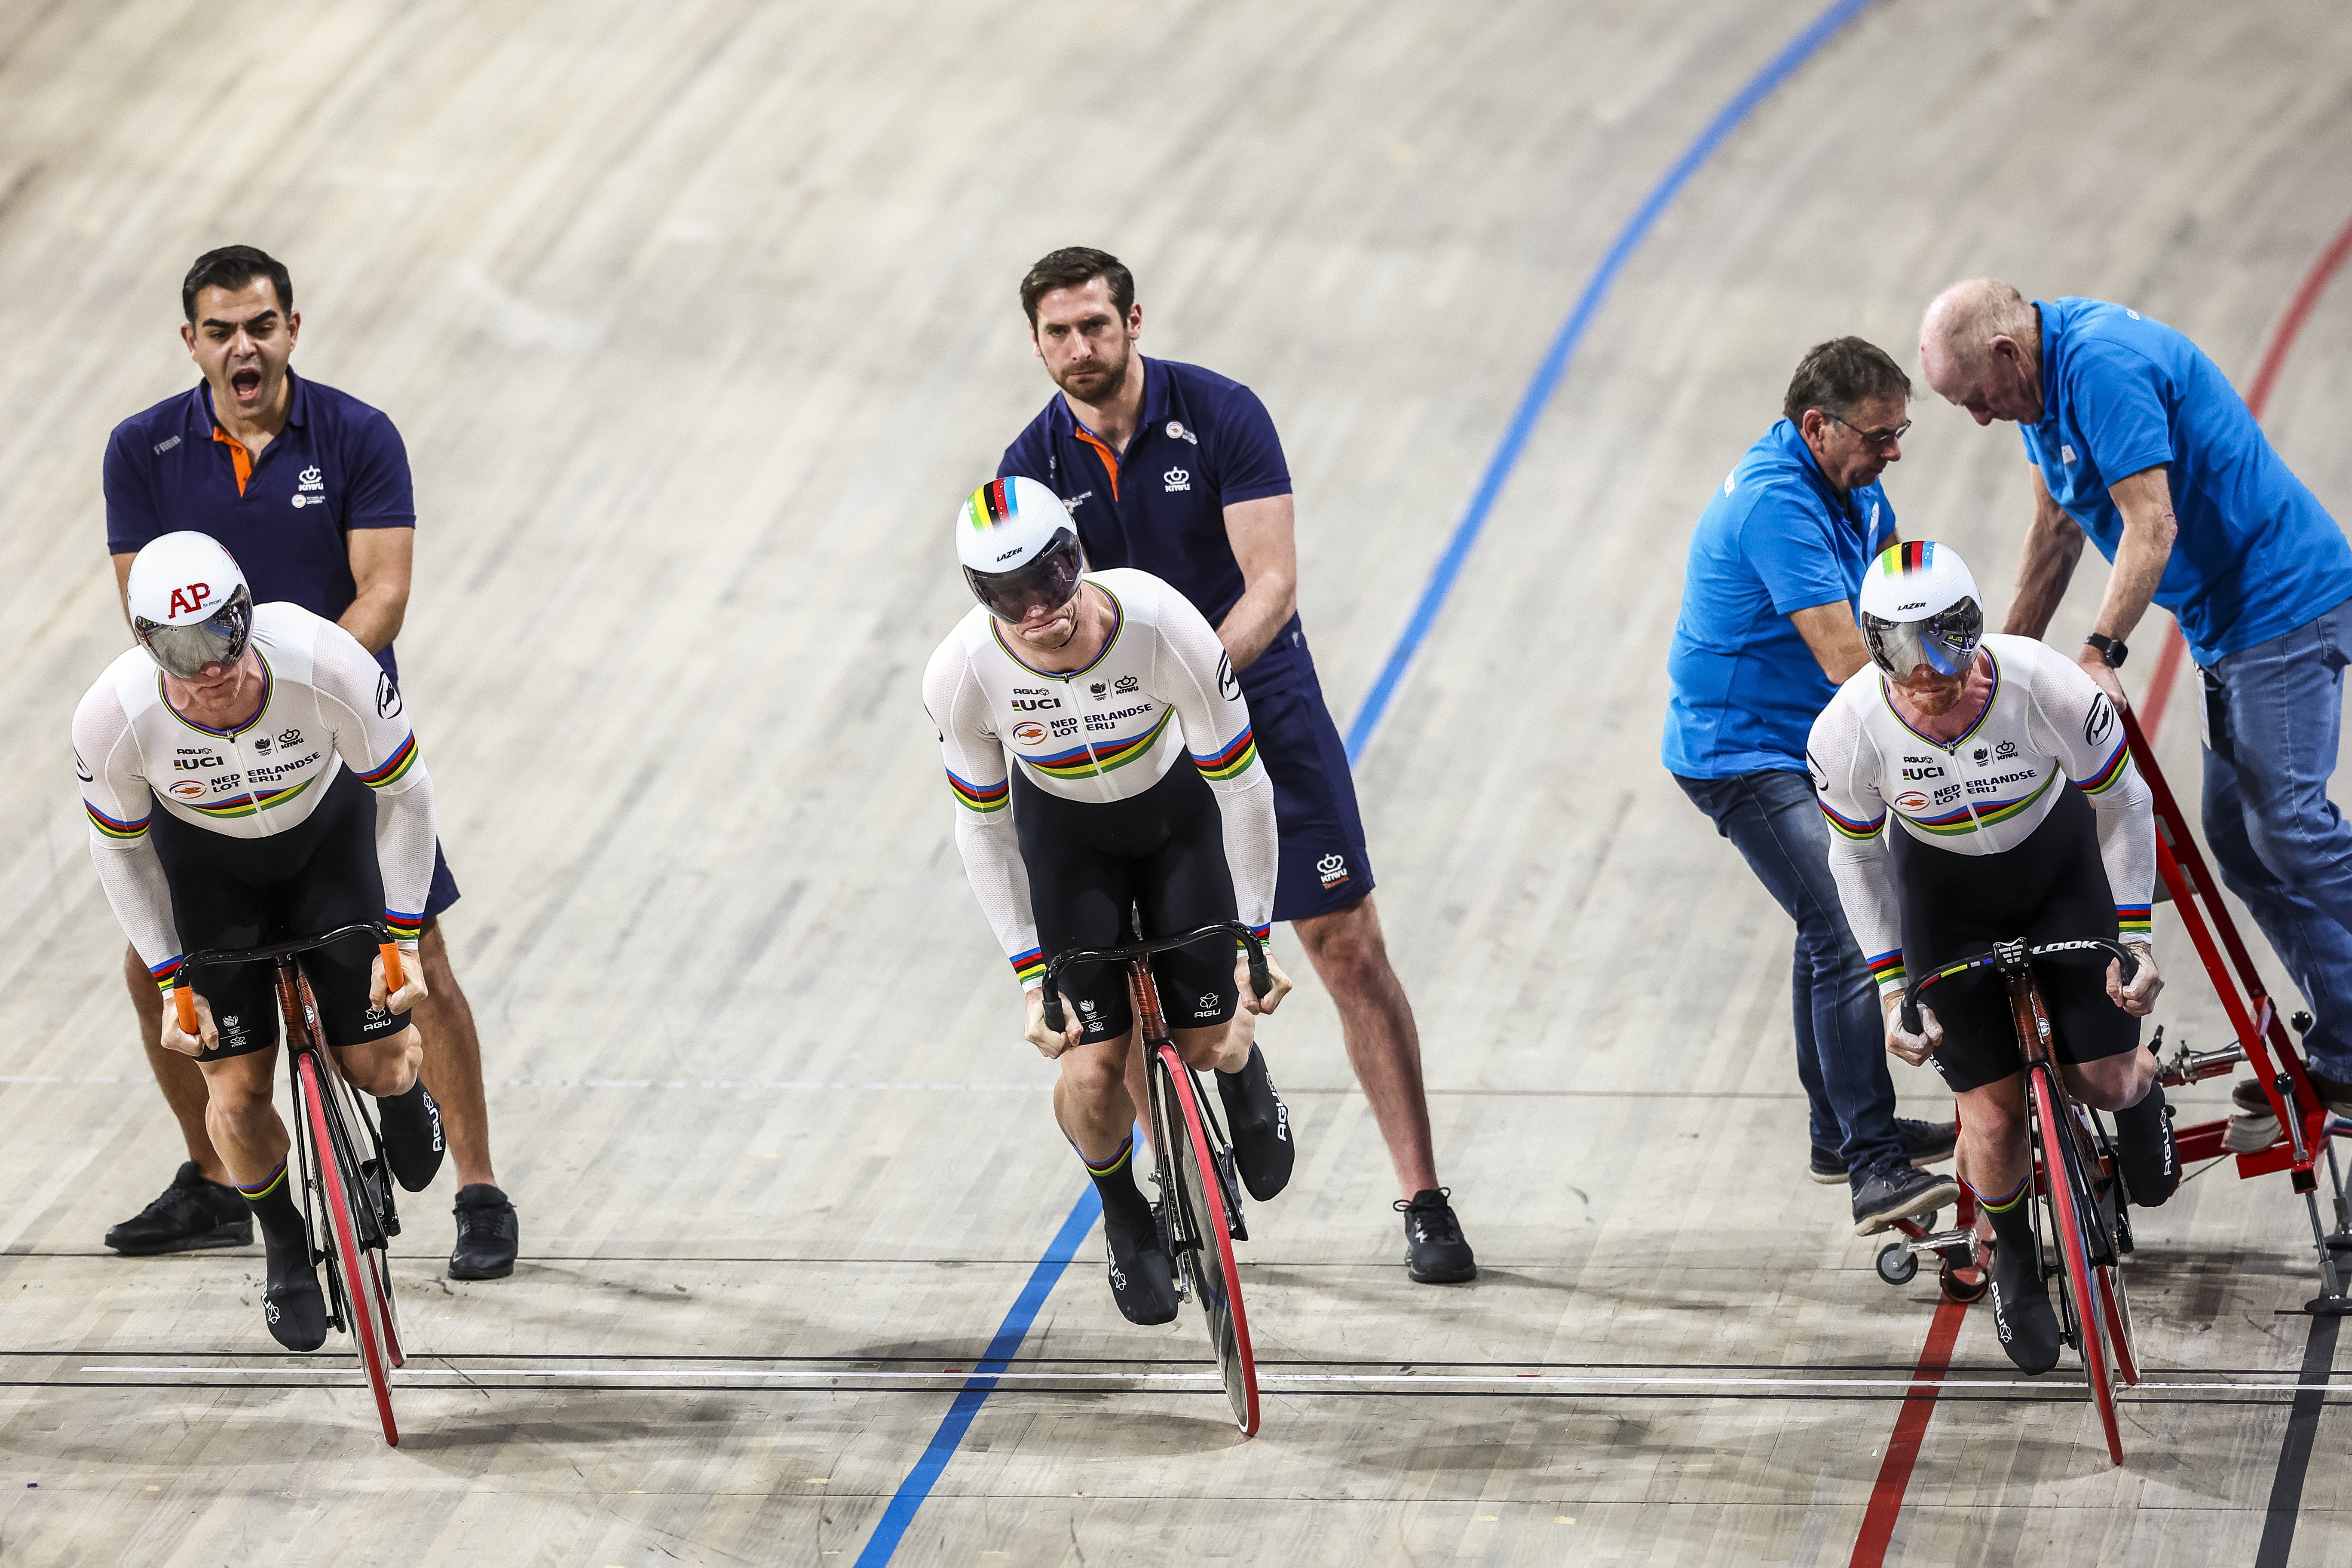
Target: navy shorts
[(1324, 866), (444, 891)]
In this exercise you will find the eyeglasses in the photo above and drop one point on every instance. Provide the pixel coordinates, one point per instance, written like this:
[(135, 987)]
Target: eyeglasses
[(1874, 438)]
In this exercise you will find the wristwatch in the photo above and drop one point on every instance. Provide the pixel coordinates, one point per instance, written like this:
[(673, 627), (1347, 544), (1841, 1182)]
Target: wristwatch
[(2112, 649)]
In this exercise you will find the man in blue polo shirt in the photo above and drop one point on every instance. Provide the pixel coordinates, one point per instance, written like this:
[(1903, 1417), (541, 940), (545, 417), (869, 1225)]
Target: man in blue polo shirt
[(1766, 635), (1177, 470), (2138, 440), (309, 490)]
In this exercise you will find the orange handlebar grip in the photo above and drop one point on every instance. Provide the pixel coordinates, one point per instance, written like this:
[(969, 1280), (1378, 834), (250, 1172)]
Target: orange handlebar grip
[(187, 1001), (393, 980)]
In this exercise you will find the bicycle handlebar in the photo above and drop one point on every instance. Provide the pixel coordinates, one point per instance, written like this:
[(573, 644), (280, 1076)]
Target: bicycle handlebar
[(2009, 952), (1261, 981), (185, 997)]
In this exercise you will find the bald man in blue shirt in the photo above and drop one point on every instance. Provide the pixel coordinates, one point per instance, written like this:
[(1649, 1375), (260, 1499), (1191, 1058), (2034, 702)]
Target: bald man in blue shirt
[(2139, 443)]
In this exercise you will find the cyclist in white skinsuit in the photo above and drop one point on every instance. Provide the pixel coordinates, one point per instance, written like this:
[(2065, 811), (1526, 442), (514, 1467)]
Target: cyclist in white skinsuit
[(1100, 754), (231, 769), (1986, 793)]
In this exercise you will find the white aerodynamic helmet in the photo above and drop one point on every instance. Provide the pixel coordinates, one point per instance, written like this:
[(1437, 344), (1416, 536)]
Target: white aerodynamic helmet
[(1919, 605), (189, 604), (1018, 547)]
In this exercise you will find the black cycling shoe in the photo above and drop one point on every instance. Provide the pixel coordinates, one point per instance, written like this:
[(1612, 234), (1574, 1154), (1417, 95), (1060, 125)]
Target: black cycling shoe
[(2021, 1312), (2145, 1150), (486, 1234), (1142, 1281), (1434, 1252), (292, 1301), (193, 1213), (1897, 1193), (1923, 1143), (1260, 1125), (413, 1141)]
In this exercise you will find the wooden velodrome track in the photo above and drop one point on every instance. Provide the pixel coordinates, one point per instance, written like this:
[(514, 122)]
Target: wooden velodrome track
[(697, 321)]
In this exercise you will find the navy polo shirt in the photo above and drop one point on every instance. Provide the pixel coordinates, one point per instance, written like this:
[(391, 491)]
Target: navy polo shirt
[(1203, 444), (2256, 555), (1776, 537), (338, 465)]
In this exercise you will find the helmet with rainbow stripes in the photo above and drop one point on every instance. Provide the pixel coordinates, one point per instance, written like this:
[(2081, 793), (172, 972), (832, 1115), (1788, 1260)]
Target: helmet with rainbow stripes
[(1920, 606), (1018, 548)]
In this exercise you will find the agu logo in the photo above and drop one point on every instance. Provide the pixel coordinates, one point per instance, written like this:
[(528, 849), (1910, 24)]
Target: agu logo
[(1332, 868), (187, 601)]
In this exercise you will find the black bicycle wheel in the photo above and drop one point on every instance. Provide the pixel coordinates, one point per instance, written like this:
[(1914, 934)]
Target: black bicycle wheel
[(1203, 1243)]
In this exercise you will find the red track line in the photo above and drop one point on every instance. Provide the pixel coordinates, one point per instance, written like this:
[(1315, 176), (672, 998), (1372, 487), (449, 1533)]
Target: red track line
[(1910, 1430), (1911, 1426), (2258, 396)]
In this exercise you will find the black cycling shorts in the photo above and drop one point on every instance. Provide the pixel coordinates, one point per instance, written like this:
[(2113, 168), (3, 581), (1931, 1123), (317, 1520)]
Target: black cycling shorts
[(1164, 850), (243, 893), (2052, 887)]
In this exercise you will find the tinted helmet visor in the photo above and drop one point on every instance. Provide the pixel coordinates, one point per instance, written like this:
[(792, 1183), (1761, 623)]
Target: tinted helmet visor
[(1945, 642), (219, 638), (1047, 580)]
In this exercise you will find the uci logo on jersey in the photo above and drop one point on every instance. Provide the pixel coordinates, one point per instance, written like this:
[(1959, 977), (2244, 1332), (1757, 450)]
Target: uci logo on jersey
[(190, 599), (1033, 704)]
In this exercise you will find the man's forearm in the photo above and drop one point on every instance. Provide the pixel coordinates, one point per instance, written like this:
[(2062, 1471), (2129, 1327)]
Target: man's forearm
[(2142, 554), (375, 617), (1263, 610), (2051, 547)]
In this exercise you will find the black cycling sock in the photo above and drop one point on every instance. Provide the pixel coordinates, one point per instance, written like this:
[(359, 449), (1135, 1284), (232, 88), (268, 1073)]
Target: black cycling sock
[(412, 1135), (272, 1202), (2023, 1316), (1123, 1204), (2145, 1148)]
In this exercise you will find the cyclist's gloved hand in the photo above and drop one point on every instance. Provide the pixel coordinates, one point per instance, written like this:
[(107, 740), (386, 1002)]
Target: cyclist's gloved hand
[(412, 982), (1273, 993), (2139, 998), (1049, 1044), (208, 1035), (1913, 1048)]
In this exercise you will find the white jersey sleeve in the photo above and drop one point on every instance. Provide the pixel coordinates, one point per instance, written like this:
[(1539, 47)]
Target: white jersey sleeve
[(1846, 774), (982, 786), (1190, 673), (2073, 719), (370, 726), (119, 805)]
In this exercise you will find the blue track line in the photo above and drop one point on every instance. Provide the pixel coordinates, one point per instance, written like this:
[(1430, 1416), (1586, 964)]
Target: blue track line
[(1554, 367), (975, 1393), (884, 1542)]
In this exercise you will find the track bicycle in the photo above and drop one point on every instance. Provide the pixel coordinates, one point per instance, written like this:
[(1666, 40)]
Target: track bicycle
[(338, 1149), (2078, 1180), (1200, 1204)]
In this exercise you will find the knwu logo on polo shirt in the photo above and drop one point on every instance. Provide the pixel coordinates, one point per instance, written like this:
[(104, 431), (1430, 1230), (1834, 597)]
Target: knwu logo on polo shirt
[(310, 480), (1333, 869), (1177, 479)]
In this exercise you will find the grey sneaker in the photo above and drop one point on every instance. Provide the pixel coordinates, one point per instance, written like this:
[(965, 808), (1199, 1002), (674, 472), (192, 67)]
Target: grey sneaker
[(1923, 1143), (1897, 1192)]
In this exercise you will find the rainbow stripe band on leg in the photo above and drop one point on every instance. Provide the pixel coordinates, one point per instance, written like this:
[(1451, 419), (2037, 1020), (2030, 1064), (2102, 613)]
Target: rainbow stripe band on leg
[(275, 1179), (1116, 1164), (2002, 1205)]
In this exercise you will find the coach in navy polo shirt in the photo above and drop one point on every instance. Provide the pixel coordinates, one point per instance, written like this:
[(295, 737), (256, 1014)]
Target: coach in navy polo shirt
[(1178, 471), (308, 489), (1766, 634)]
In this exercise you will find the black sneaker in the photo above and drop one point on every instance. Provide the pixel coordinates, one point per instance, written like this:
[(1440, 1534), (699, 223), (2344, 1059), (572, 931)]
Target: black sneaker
[(193, 1213), (1923, 1143), (1434, 1252), (2021, 1313), (486, 1234), (1260, 1125), (1897, 1192), (292, 1301), (1142, 1281)]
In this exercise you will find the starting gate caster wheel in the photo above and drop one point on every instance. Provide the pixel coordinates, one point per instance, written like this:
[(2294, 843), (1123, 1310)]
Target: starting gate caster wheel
[(1896, 1264)]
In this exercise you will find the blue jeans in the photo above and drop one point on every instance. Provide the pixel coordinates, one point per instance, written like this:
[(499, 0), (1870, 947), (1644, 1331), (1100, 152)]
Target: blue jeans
[(1773, 820), (2272, 713)]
